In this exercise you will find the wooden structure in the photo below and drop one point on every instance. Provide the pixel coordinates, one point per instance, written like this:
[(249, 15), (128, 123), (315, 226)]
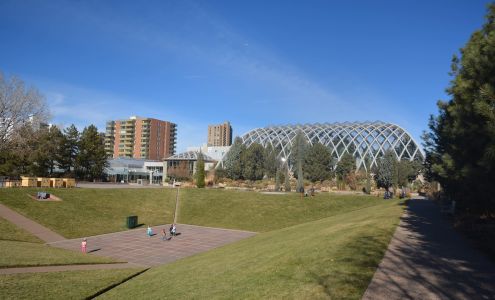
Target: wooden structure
[(56, 182), (13, 183), (29, 182), (43, 182), (68, 182)]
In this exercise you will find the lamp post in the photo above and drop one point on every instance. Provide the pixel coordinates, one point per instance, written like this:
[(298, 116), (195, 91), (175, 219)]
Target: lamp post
[(130, 171), (285, 166), (151, 175)]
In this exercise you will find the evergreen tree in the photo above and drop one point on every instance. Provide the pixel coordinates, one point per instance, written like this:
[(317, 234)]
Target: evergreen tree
[(385, 170), (460, 146), (70, 149), (233, 162), (253, 162), (47, 151), (287, 186), (298, 150), (200, 171), (345, 166), (367, 163), (277, 180), (318, 163), (407, 171), (270, 161), (91, 160)]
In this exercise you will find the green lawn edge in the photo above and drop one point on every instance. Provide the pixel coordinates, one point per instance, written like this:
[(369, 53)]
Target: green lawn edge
[(17, 254)]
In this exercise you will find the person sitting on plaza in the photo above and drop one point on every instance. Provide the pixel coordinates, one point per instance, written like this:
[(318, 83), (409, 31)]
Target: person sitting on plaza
[(173, 230)]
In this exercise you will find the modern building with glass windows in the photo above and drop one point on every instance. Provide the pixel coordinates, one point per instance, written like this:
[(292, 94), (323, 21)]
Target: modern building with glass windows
[(363, 139), (137, 137)]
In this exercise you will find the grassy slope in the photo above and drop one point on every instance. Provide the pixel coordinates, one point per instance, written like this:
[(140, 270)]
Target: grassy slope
[(334, 257), (60, 285), (85, 212), (261, 212), (10, 232), (14, 254)]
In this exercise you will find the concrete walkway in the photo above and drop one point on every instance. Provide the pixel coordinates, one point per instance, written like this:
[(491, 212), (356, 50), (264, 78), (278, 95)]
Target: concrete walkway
[(34, 228), (45, 269), (427, 259)]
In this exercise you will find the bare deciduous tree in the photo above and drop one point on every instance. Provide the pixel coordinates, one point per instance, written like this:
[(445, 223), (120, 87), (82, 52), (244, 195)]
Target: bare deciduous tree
[(20, 106)]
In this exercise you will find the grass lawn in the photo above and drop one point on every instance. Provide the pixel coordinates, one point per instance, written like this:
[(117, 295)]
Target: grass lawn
[(259, 212), (17, 254), (20, 248), (330, 258), (10, 232), (60, 285), (86, 212)]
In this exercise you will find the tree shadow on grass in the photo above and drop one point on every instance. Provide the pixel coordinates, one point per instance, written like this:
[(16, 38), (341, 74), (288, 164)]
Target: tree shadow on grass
[(348, 274)]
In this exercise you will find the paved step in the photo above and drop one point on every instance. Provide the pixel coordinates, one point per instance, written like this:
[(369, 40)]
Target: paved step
[(34, 228)]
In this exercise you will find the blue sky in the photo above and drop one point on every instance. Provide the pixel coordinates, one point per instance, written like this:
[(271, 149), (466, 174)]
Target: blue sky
[(254, 63)]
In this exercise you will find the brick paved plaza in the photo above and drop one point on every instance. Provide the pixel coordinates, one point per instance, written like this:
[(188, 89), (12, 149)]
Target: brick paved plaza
[(135, 247)]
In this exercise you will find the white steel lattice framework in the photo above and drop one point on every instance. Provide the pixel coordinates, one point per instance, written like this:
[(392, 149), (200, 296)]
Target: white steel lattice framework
[(370, 139)]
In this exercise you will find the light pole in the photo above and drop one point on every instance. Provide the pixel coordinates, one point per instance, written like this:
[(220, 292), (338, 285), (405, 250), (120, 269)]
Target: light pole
[(151, 175), (285, 166)]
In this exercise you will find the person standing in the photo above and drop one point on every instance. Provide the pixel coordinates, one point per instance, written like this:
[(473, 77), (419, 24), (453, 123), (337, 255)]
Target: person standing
[(149, 231), (164, 235), (83, 245)]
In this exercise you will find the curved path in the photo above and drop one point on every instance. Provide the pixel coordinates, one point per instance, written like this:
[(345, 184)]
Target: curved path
[(29, 225), (427, 259)]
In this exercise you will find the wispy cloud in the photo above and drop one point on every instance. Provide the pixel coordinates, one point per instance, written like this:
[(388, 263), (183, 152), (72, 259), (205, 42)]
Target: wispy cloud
[(286, 91), (204, 37), (83, 106)]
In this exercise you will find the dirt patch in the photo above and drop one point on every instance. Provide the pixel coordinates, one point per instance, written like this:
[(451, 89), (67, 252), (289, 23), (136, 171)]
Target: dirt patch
[(51, 198)]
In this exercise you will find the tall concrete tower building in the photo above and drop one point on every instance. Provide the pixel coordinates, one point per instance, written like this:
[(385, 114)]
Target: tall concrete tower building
[(220, 135), (140, 138)]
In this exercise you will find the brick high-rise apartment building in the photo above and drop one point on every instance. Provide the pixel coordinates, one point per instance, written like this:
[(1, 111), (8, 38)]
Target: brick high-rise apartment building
[(140, 138), (220, 135)]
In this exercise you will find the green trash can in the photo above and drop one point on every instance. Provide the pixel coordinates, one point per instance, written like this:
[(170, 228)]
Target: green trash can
[(132, 221)]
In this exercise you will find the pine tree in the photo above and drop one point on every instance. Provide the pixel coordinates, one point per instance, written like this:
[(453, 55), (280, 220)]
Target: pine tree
[(233, 162), (298, 150), (367, 163), (270, 161), (46, 152), (345, 167), (385, 170), (91, 160), (200, 171), (287, 186), (277, 180), (318, 163), (253, 162), (460, 146), (70, 149)]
